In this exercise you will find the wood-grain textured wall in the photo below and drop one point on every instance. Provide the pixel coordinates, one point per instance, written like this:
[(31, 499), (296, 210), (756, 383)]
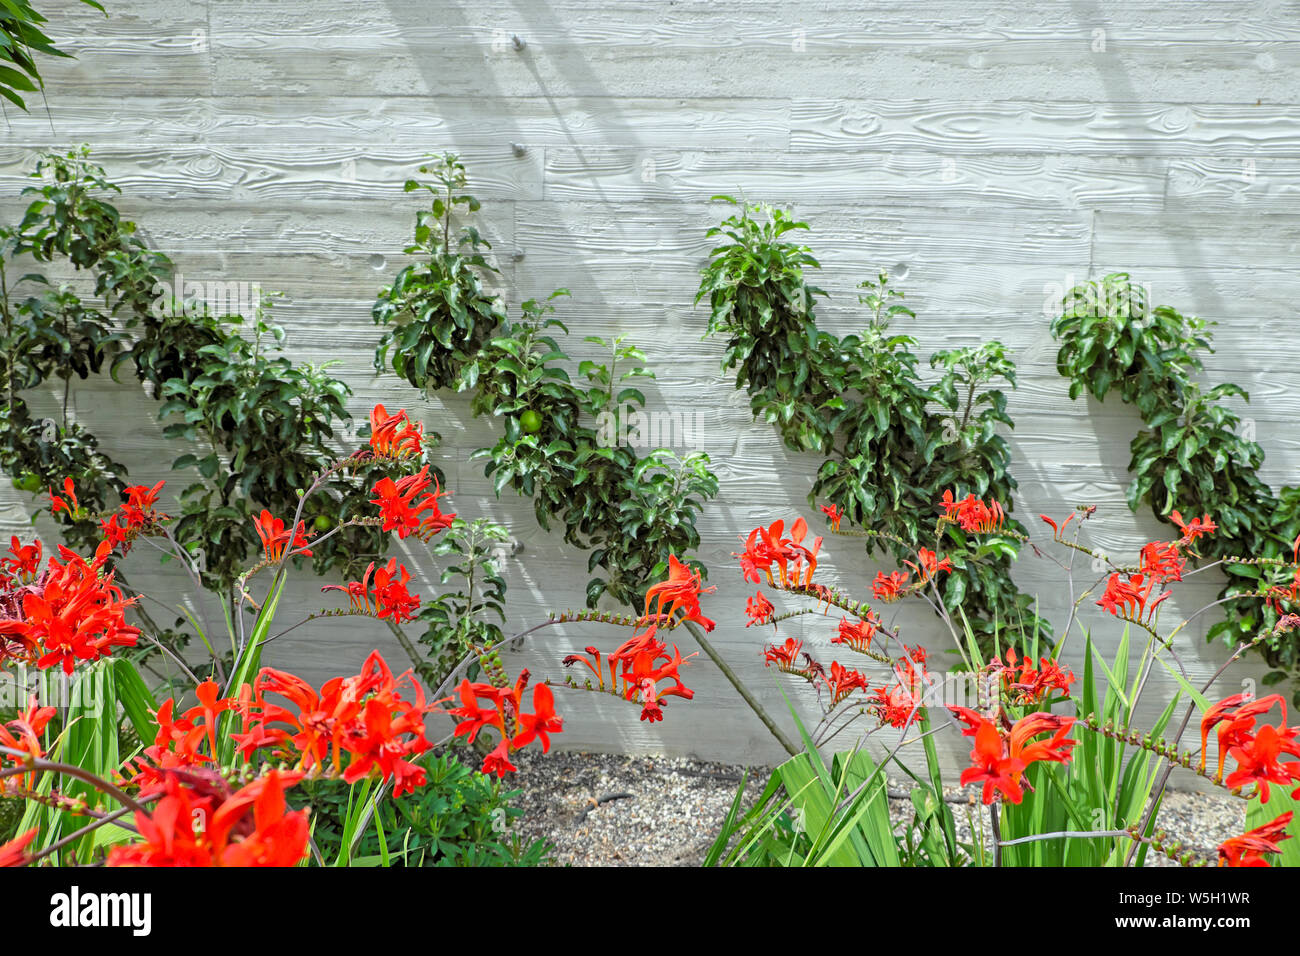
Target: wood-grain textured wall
[(984, 152)]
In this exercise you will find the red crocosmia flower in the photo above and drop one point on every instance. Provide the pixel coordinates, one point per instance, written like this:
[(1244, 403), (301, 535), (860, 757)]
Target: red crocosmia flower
[(516, 727), (1235, 718), (858, 634), (114, 533), (1162, 561), (889, 588), (785, 657), (199, 822), (354, 726), (74, 613), (843, 681), (177, 745), (1249, 848), (498, 761), (644, 662), (998, 761), (1131, 599), (758, 609), (928, 565), (394, 436), (682, 590), (991, 766), (391, 595), (900, 704), (14, 853), (1057, 531), (1195, 528), (1277, 594), (397, 501), (358, 592), (58, 503), (972, 514), (133, 518), (766, 548), (1258, 760), (25, 565), (470, 716), (541, 723), (274, 537), (1026, 684), (23, 733), (835, 513)]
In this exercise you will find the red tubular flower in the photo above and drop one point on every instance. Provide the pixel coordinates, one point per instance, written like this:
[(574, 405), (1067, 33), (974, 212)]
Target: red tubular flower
[(541, 723), (835, 513), (1131, 599), (1237, 716), (392, 599), (58, 504), (23, 733), (14, 853), (766, 548), (785, 657), (1162, 561), (991, 766), (25, 564), (471, 717), (1026, 684), (843, 681), (682, 590), (1258, 760), (1195, 528), (498, 761), (858, 634), (889, 588), (758, 609), (198, 822), (394, 436), (400, 510), (1057, 531), (75, 613), (1249, 848), (928, 565), (972, 514), (999, 761), (900, 704), (354, 726), (274, 536)]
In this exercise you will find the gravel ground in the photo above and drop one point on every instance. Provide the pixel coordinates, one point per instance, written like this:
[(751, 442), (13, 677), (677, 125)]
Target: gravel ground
[(613, 810)]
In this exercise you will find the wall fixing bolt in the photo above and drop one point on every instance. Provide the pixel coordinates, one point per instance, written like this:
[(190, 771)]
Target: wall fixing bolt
[(518, 149)]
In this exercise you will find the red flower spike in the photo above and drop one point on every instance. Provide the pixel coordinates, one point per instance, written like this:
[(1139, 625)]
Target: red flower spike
[(889, 588), (758, 609), (682, 590), (274, 537), (1195, 528), (394, 436), (14, 853), (58, 504), (835, 514), (1249, 848)]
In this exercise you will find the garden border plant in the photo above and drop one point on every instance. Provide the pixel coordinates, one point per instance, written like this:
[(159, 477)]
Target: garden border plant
[(442, 328), (210, 789), (1193, 452), (860, 402), (261, 424), (1051, 799)]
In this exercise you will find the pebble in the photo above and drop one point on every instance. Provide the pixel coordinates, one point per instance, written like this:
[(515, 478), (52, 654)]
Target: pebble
[(616, 810)]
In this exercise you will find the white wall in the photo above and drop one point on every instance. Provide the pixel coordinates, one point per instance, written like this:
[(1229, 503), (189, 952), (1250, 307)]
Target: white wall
[(983, 151)]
